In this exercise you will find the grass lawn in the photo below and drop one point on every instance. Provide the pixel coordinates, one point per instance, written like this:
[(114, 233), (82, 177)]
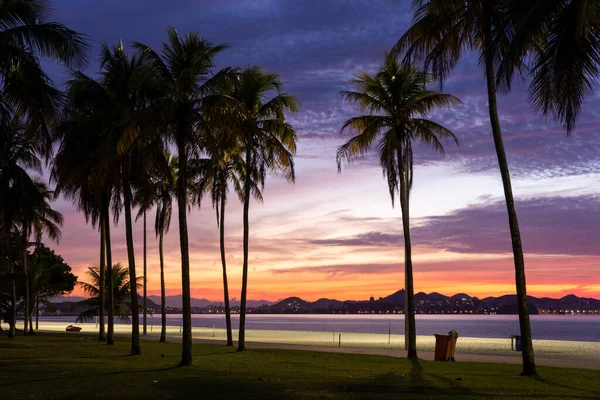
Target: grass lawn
[(67, 366)]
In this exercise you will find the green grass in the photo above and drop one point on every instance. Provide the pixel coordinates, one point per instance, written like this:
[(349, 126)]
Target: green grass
[(61, 366)]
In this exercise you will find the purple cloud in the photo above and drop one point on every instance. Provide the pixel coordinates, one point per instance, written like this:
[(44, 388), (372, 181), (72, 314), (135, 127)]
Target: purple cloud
[(556, 225)]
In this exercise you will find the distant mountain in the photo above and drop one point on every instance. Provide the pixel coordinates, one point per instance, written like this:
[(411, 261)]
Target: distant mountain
[(250, 303), (432, 303), (176, 302), (396, 299), (60, 299), (435, 303), (291, 305), (327, 304), (459, 296)]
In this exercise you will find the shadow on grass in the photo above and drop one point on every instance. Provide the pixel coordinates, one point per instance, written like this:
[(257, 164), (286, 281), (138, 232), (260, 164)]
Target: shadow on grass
[(415, 383), (71, 377), (548, 382), (225, 387)]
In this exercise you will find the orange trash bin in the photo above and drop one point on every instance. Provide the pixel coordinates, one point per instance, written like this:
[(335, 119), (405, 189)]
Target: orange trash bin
[(442, 347)]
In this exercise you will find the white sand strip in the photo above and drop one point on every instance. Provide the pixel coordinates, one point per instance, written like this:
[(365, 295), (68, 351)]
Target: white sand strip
[(547, 349)]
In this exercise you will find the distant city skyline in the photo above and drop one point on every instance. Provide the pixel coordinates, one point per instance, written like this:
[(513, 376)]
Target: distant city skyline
[(337, 234)]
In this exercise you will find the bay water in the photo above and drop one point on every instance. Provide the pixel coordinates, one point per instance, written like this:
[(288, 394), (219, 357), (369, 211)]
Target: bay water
[(548, 327)]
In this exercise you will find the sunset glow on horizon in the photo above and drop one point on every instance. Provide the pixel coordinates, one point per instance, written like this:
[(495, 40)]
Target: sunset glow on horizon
[(337, 235)]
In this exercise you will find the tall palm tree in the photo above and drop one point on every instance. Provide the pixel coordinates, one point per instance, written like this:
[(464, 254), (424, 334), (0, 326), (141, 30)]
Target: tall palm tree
[(148, 156), (165, 190), (24, 203), (225, 167), (110, 110), (18, 154), (441, 32), (268, 142), (145, 199), (122, 293), (26, 34), (85, 169), (398, 101), (184, 69)]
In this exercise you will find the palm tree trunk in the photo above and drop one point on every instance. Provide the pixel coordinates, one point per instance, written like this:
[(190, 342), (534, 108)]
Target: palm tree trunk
[(529, 368), (135, 316), (145, 315), (12, 331), (410, 333), (186, 351), (26, 299), (37, 314), (110, 333), (242, 329), (225, 284), (31, 319), (163, 297), (102, 291)]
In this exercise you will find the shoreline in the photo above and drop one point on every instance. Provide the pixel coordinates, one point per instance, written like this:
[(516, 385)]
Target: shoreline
[(327, 341)]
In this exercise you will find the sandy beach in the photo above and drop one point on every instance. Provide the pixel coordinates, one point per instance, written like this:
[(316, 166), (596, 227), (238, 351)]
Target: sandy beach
[(556, 352)]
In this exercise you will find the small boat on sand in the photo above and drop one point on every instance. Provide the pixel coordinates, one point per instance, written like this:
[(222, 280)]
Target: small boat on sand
[(72, 328)]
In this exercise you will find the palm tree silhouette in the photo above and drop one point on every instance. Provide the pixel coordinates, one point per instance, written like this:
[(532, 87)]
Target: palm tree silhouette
[(109, 111), (224, 167), (398, 101), (165, 190), (268, 142), (121, 293), (183, 71), (559, 42), (27, 34), (441, 32), (35, 217)]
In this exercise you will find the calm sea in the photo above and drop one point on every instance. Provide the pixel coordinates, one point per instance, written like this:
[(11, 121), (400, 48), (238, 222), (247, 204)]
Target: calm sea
[(559, 327)]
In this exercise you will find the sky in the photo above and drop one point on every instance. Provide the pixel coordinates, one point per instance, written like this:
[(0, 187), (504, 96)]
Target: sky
[(337, 235)]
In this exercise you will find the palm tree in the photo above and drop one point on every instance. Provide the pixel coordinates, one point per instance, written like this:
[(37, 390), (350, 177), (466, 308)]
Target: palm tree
[(148, 156), (441, 31), (9, 244), (225, 166), (110, 110), (145, 199), (121, 293), (18, 155), (85, 169), (184, 70), (26, 34), (268, 142), (35, 217), (24, 204), (398, 101), (165, 190), (559, 41), (121, 77), (25, 90)]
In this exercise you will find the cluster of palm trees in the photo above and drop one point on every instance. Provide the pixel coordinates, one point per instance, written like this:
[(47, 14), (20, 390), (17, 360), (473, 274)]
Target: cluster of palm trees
[(555, 44), (114, 135), (114, 153)]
